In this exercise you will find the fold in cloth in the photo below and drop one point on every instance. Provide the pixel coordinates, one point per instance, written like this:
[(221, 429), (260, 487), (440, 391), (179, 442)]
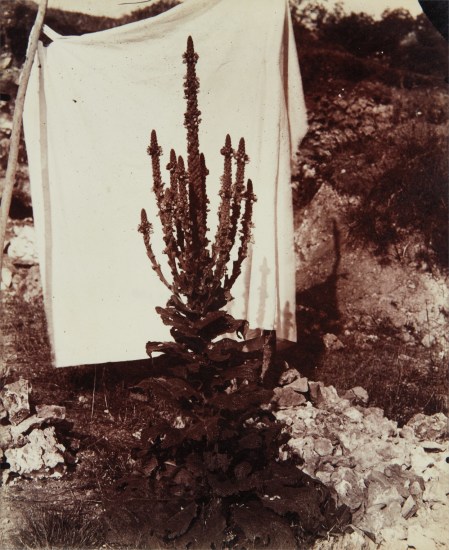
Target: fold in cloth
[(91, 104)]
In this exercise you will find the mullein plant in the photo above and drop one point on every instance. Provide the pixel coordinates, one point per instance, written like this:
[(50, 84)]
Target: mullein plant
[(211, 441), (202, 273)]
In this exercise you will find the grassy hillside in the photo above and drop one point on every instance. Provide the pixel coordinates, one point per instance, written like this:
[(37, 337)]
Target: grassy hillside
[(378, 109), (370, 194), (376, 93)]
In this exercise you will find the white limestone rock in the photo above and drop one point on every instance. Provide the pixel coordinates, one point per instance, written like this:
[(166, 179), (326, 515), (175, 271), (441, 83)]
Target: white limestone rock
[(332, 343), (39, 455), (323, 446), (287, 397), (22, 249), (299, 385), (431, 428), (353, 414), (390, 478), (50, 412), (418, 538), (3, 411), (6, 278), (409, 508), (15, 400), (349, 486), (289, 376), (324, 397)]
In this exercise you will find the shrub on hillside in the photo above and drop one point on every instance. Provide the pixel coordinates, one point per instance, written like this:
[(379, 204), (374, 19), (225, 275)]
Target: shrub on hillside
[(397, 40), (18, 19), (387, 147), (410, 197)]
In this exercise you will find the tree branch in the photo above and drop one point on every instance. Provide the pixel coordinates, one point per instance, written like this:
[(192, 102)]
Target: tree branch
[(14, 142)]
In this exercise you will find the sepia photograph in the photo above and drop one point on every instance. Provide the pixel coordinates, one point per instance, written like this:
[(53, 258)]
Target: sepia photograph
[(224, 299)]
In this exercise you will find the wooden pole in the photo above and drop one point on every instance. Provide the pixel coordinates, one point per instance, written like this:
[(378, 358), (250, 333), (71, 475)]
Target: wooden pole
[(14, 141)]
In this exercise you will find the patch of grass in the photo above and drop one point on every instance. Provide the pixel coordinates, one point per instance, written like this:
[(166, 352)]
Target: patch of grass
[(24, 329), (410, 197), (66, 528), (401, 379), (385, 148)]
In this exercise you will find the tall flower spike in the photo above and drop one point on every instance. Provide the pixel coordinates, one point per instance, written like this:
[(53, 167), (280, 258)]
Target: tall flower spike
[(219, 248), (146, 229), (155, 152), (245, 236), (237, 192), (201, 281), (241, 159), (163, 199), (168, 223), (178, 206), (186, 222), (198, 212)]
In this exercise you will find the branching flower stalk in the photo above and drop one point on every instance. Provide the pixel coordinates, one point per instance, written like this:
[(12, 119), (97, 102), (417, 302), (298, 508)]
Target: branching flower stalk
[(201, 279), (209, 408)]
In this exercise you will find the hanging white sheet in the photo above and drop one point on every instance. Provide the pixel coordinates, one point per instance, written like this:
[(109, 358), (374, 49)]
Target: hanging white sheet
[(91, 104)]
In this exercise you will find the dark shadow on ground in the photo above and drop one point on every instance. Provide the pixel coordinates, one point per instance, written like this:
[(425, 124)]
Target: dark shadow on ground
[(317, 313)]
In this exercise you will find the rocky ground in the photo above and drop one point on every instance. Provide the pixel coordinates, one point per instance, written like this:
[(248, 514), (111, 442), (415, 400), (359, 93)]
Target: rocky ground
[(72, 435), (394, 480), (363, 323), (414, 299), (362, 396)]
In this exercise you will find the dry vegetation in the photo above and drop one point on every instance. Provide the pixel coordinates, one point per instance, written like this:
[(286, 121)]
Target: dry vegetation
[(378, 107)]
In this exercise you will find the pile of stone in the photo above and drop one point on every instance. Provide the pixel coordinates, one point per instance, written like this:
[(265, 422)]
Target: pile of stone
[(394, 480), (20, 271), (29, 445), (21, 247)]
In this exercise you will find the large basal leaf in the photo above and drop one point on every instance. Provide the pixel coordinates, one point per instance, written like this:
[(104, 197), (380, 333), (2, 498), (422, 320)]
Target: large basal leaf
[(274, 436), (282, 474), (225, 486), (261, 527), (180, 522), (161, 514), (210, 427), (150, 434), (208, 326), (200, 428), (208, 531), (171, 395), (219, 322), (242, 470), (287, 490), (176, 388), (245, 397), (183, 370), (290, 500), (170, 348), (252, 440), (217, 462), (249, 370), (222, 486), (209, 318), (172, 438), (194, 343), (172, 318), (222, 350)]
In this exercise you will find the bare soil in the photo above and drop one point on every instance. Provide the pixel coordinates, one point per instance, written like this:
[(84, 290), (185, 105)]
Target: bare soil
[(375, 310)]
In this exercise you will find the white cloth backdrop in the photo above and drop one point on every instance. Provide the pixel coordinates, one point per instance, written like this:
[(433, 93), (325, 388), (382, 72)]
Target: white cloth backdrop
[(91, 105)]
